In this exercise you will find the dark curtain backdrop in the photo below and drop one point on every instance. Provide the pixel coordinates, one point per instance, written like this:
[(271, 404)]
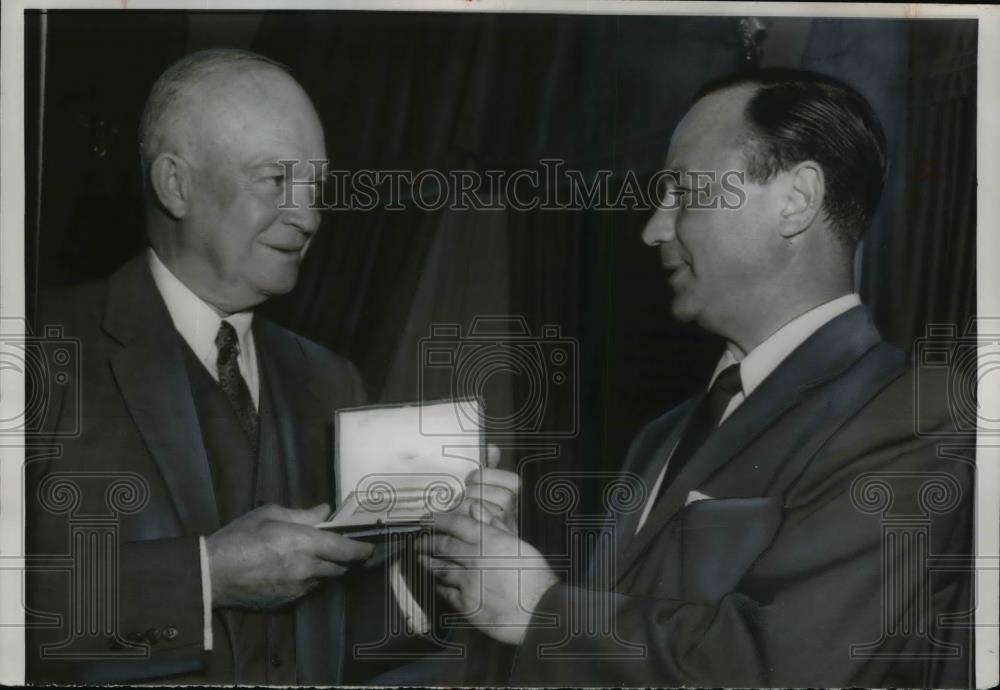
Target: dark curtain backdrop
[(931, 254), (447, 91)]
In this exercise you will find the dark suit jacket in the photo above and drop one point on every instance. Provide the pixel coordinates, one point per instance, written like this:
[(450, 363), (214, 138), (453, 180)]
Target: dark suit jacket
[(137, 417), (807, 564)]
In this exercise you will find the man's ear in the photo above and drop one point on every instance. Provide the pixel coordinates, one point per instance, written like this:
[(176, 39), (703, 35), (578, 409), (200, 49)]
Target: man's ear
[(804, 198), (170, 177)]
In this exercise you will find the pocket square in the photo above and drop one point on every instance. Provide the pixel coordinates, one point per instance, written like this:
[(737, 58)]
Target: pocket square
[(721, 541), (695, 496)]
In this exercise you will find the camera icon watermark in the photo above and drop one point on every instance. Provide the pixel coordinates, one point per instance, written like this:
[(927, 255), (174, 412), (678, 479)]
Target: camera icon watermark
[(544, 366), (50, 364), (950, 366)]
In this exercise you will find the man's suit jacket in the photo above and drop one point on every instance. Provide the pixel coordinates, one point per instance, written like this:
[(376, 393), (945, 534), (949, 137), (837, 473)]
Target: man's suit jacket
[(138, 423), (803, 562)]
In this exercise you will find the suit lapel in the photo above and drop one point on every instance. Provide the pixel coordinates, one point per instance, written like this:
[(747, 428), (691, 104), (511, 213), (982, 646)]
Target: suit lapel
[(646, 460), (299, 415), (150, 372), (296, 409), (658, 440), (152, 377), (824, 355)]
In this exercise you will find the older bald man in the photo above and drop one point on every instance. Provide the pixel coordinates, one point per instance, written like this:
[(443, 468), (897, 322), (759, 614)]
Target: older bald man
[(221, 417)]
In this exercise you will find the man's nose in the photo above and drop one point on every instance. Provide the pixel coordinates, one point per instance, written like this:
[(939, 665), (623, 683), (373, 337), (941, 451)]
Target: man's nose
[(660, 228), (307, 220)]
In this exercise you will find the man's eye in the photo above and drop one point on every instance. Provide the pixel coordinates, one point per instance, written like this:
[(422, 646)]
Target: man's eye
[(678, 197), (275, 180)]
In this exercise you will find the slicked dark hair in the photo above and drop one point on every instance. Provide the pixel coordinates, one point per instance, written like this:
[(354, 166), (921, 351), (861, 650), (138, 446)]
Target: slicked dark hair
[(795, 116)]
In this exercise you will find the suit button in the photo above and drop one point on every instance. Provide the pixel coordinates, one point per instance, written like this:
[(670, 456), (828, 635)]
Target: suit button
[(170, 633), (276, 660), (152, 636)]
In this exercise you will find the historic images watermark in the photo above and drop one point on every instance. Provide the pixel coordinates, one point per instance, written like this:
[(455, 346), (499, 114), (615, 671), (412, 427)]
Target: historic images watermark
[(463, 361), (950, 365), (955, 362), (92, 503), (50, 364), (549, 187)]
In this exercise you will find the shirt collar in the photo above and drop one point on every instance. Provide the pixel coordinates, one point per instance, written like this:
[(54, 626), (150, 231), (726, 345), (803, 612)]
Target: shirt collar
[(196, 321), (758, 364)]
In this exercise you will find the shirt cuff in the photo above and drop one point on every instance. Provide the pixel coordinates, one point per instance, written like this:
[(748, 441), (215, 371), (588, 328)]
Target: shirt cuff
[(414, 615), (206, 593)]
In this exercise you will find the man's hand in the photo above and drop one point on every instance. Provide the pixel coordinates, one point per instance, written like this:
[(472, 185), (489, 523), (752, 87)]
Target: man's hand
[(486, 573), (492, 493), (274, 555)]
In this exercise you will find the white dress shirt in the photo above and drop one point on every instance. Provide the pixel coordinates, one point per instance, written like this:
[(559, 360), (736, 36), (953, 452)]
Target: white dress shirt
[(758, 364), (198, 323)]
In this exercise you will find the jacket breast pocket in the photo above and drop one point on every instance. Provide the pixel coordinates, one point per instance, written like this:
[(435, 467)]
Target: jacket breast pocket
[(721, 539)]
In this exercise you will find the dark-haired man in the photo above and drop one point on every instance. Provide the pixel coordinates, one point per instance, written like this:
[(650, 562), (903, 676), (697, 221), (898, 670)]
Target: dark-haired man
[(762, 556)]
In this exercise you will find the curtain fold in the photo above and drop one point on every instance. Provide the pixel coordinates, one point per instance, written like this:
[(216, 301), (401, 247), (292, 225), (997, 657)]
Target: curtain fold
[(931, 266), (465, 279)]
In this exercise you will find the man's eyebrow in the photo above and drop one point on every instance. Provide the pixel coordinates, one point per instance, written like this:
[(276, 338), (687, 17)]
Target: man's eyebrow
[(268, 163), (286, 166), (676, 172)]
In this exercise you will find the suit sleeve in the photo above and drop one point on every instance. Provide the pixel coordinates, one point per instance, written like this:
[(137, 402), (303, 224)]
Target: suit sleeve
[(815, 607), (100, 609), (141, 620)]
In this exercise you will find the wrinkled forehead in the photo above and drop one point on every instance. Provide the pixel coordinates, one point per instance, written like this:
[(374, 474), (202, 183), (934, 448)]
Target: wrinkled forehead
[(249, 114), (712, 132)]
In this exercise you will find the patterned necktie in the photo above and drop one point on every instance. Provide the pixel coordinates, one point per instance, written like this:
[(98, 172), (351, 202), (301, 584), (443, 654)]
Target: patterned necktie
[(232, 382), (703, 422)]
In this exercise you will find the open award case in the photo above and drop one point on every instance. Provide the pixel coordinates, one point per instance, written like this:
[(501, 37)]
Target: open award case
[(396, 465)]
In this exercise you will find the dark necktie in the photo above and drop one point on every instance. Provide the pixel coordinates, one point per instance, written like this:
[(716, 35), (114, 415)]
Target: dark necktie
[(232, 382), (703, 422)]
